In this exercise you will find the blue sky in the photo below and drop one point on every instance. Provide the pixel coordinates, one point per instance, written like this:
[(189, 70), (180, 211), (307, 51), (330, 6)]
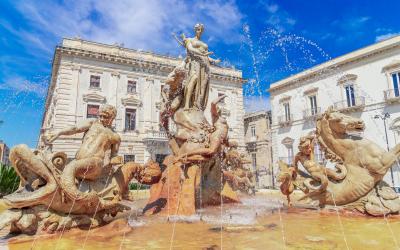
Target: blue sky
[(268, 40)]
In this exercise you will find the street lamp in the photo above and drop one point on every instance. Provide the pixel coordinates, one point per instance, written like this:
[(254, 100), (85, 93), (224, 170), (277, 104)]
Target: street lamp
[(384, 117)]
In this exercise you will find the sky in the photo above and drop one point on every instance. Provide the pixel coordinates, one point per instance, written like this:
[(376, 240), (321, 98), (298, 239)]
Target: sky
[(267, 40)]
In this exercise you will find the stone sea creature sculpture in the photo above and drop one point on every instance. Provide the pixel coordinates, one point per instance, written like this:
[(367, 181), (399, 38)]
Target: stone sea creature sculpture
[(362, 165), (235, 171), (55, 195)]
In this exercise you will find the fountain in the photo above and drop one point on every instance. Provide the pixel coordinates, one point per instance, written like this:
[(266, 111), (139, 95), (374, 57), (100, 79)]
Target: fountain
[(61, 203)]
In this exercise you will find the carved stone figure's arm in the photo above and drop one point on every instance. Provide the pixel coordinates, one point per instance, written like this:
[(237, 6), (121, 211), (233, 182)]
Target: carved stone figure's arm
[(214, 61), (214, 109), (85, 126), (194, 50), (312, 149), (214, 146), (115, 147)]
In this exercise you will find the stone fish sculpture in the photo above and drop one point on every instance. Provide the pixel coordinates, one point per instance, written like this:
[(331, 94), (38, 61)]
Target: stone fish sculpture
[(55, 195), (360, 167)]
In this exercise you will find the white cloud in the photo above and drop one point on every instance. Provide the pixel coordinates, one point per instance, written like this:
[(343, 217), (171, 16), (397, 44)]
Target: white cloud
[(386, 36), (256, 103), (279, 18), (138, 24), (19, 84), (272, 8)]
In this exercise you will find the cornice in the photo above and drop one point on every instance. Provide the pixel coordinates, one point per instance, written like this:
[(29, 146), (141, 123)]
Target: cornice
[(140, 65), (333, 65)]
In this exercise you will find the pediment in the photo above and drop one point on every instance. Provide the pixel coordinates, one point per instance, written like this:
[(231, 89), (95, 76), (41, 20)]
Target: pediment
[(285, 99), (347, 78), (94, 97), (311, 91), (394, 64), (287, 141), (131, 100)]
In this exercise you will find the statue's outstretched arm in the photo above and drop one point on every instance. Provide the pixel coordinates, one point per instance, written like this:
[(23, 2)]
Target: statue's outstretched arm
[(214, 109), (71, 130), (214, 61)]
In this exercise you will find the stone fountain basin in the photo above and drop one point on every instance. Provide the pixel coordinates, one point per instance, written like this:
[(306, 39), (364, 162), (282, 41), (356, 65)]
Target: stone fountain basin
[(260, 222)]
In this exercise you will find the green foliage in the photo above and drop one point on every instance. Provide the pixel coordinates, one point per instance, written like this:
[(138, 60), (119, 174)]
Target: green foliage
[(137, 186), (9, 180)]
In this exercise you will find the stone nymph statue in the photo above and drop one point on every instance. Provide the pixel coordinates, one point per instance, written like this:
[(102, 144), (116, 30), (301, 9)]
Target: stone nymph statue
[(195, 165)]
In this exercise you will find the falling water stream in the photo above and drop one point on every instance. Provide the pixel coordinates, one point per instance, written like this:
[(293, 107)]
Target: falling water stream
[(260, 221)]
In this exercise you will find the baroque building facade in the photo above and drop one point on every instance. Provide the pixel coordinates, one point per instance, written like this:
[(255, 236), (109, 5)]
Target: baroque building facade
[(4, 153), (257, 136), (87, 74), (364, 84)]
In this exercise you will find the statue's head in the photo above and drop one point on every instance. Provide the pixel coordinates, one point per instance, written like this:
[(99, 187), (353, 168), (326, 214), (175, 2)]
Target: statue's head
[(305, 144), (341, 123), (198, 29), (107, 114)]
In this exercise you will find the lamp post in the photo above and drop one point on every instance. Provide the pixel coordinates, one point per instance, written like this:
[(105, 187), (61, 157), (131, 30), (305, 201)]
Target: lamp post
[(384, 117)]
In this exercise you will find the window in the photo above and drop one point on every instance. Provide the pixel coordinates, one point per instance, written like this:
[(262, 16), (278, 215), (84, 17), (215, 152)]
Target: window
[(396, 82), (290, 154), (92, 111), (313, 104), (351, 101), (130, 119), (254, 161), (287, 111), (253, 130), (318, 156), (128, 158), (94, 81), (160, 158), (131, 87)]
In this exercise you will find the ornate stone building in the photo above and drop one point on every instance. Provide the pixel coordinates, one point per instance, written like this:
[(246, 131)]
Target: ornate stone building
[(87, 74), (4, 153), (257, 131), (364, 84)]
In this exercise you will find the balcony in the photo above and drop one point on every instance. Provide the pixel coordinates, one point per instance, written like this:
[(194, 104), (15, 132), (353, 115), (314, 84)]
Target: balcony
[(285, 120), (311, 114), (392, 95), (155, 136), (348, 106)]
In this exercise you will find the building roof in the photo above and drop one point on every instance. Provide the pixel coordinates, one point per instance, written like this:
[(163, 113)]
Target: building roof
[(339, 61), (257, 113)]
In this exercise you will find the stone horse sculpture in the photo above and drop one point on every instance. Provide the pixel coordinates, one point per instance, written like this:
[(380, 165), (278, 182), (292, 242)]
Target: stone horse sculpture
[(359, 186), (44, 203)]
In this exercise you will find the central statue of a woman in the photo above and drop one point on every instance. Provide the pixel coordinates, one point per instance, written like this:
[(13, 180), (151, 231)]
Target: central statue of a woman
[(198, 65)]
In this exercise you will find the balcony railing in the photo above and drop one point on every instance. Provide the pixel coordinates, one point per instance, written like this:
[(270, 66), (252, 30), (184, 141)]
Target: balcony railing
[(392, 95), (155, 135), (351, 104), (285, 120), (311, 113)]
